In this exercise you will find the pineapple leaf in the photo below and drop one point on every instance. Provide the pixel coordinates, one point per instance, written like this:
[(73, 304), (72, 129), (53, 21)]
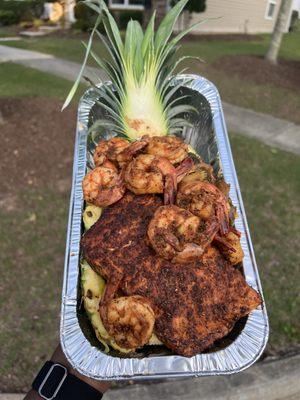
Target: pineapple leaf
[(148, 40), (171, 103), (110, 50), (115, 116), (179, 110), (104, 123), (112, 30), (166, 27), (171, 91), (77, 82), (112, 73), (92, 6), (138, 60)]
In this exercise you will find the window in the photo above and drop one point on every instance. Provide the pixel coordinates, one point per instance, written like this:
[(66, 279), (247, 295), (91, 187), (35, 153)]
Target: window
[(270, 12), (126, 4)]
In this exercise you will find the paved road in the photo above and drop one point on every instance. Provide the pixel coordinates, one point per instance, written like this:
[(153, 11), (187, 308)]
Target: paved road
[(272, 131)]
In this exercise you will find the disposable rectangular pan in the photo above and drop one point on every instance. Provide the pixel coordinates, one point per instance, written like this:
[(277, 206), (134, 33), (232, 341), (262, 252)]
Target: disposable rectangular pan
[(248, 339)]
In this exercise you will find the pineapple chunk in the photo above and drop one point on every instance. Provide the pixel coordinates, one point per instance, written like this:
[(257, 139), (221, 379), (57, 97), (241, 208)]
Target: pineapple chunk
[(93, 286), (192, 150), (91, 215), (154, 341)]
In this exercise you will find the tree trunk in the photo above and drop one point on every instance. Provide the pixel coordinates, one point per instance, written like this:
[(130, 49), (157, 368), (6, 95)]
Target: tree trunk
[(278, 31)]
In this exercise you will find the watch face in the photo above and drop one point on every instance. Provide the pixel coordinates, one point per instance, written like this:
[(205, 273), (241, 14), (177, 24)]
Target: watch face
[(53, 381)]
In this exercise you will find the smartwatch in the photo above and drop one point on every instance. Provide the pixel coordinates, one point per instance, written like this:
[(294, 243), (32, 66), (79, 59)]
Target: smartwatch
[(54, 382)]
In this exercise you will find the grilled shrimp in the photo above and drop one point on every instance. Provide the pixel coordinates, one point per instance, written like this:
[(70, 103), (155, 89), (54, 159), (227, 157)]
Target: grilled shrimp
[(145, 174), (178, 235), (230, 246), (109, 150), (151, 174), (103, 185), (170, 147), (129, 320), (129, 152), (206, 201), (200, 172)]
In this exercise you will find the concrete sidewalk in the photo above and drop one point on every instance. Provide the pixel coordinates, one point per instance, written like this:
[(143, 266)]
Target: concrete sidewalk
[(47, 63), (16, 55), (272, 131), (268, 380)]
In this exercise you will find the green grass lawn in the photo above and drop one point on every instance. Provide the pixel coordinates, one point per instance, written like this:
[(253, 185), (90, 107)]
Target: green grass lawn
[(270, 186), (19, 81), (263, 98), (266, 97), (8, 31), (32, 247), (72, 48), (33, 227)]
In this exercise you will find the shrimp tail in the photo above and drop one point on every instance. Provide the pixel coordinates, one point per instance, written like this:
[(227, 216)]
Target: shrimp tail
[(172, 240), (209, 234), (222, 218), (171, 180), (189, 253), (224, 243), (136, 146), (111, 287), (235, 231), (184, 168), (170, 189)]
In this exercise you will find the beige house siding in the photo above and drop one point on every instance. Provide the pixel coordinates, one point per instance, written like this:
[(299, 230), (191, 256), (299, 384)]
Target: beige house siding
[(238, 16)]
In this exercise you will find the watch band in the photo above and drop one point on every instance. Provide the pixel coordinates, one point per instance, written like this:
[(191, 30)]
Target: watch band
[(54, 382)]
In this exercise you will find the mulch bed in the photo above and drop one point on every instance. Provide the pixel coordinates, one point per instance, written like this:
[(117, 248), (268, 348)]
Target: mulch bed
[(37, 143), (286, 74)]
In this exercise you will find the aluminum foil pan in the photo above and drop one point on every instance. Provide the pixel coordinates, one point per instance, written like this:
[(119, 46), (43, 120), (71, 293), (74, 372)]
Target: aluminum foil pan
[(244, 345)]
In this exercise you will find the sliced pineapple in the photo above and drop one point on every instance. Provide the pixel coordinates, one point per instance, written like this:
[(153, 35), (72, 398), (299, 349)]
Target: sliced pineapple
[(192, 150), (154, 341), (93, 286), (91, 215)]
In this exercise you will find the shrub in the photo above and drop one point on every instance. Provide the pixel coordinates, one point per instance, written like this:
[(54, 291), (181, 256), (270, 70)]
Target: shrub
[(193, 6), (126, 16), (36, 23), (21, 10), (81, 25), (7, 17), (85, 17)]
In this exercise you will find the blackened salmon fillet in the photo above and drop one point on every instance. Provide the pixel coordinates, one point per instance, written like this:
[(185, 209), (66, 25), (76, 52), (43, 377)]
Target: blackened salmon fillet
[(195, 304)]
